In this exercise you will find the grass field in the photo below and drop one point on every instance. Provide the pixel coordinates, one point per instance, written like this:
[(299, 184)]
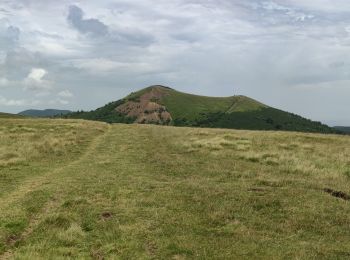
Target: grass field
[(79, 189)]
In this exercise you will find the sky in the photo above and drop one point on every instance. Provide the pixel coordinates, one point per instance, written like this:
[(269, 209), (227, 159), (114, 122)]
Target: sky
[(289, 54)]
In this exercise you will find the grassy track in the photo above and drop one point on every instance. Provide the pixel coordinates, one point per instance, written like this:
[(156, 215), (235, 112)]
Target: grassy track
[(134, 191)]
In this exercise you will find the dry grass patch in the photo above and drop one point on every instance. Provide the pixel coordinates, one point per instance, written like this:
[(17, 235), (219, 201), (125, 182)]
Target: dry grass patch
[(24, 140)]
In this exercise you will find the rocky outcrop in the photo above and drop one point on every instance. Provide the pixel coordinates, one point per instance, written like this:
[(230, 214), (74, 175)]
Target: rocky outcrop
[(146, 109)]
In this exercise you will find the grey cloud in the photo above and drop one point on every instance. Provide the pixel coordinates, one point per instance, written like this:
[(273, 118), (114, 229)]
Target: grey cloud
[(96, 28), (9, 37), (132, 37), (48, 35), (275, 13), (337, 64), (189, 37), (13, 32), (19, 62), (86, 26), (4, 11)]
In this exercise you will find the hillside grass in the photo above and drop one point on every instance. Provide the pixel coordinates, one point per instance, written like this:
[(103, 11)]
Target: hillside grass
[(245, 104), (189, 106), (183, 105), (151, 192)]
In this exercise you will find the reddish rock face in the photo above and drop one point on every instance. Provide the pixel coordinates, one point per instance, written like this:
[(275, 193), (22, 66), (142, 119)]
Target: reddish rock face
[(146, 110)]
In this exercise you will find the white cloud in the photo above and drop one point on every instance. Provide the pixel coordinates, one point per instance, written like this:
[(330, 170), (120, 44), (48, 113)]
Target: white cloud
[(4, 82), (11, 102), (97, 65), (292, 12), (36, 80), (102, 66), (331, 85), (63, 102), (273, 6), (65, 94), (58, 101), (17, 102), (328, 6), (53, 48), (37, 74), (347, 29)]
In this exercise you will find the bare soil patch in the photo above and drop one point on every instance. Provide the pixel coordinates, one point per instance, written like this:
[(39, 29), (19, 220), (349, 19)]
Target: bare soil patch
[(146, 109), (337, 194), (106, 215)]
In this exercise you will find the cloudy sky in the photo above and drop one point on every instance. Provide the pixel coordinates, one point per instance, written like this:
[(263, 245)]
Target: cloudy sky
[(290, 54)]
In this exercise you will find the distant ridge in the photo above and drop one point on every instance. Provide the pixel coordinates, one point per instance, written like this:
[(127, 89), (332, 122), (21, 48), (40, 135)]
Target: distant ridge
[(166, 106), (44, 113), (344, 129), (7, 115)]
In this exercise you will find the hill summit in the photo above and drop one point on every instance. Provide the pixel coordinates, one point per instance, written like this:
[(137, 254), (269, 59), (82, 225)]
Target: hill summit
[(163, 105)]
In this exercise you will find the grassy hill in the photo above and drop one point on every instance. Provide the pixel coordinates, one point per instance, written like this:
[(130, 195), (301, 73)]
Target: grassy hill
[(81, 189), (44, 113), (7, 115), (166, 106)]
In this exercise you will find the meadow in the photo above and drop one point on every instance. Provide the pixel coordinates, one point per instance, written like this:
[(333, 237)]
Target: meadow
[(75, 189)]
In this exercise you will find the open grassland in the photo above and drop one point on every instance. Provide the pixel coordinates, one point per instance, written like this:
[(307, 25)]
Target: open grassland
[(79, 189)]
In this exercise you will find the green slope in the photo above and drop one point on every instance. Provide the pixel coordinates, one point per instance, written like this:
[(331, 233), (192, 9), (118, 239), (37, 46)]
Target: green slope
[(245, 104), (182, 105), (189, 106), (237, 112)]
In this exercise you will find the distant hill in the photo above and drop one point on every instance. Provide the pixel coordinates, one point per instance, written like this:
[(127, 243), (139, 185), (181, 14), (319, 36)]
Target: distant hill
[(166, 106), (7, 115), (44, 113), (344, 129)]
